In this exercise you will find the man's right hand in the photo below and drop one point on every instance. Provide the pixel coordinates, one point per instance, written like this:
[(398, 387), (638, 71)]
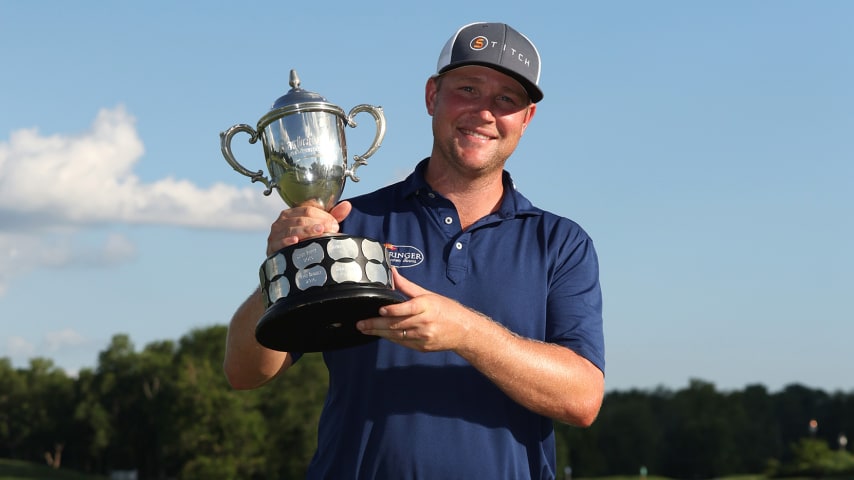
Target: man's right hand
[(303, 222)]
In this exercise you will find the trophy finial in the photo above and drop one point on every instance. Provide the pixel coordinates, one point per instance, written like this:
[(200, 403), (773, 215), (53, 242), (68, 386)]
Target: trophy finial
[(294, 79)]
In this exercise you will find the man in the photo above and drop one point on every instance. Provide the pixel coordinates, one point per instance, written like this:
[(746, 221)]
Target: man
[(502, 332)]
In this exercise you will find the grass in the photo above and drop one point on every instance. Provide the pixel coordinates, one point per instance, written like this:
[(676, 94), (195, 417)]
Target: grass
[(731, 477), (20, 470)]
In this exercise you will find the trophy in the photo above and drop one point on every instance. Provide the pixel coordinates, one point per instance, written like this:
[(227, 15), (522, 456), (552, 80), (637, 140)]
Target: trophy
[(315, 291)]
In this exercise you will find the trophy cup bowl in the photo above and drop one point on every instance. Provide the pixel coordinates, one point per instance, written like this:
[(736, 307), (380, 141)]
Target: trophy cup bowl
[(315, 291)]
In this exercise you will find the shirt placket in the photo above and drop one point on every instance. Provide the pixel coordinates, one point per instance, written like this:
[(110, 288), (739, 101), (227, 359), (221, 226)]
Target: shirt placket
[(456, 241)]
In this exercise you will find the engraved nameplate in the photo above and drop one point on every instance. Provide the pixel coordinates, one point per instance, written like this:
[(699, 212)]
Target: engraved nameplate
[(344, 248), (310, 277), (373, 250), (275, 266), (346, 272), (278, 289), (376, 272), (309, 255)]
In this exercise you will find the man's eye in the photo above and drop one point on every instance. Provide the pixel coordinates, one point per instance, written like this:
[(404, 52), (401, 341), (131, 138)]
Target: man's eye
[(505, 98)]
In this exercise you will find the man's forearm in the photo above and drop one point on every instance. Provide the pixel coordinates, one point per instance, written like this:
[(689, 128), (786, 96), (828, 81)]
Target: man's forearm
[(549, 379), (248, 364)]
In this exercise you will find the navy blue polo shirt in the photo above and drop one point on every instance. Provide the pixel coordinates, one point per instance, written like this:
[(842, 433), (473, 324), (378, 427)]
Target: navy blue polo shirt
[(395, 413)]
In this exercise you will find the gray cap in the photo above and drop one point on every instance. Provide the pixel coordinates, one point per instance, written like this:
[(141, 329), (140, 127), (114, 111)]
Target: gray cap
[(498, 46)]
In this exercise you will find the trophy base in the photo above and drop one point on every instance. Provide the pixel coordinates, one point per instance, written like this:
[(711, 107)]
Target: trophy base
[(323, 320)]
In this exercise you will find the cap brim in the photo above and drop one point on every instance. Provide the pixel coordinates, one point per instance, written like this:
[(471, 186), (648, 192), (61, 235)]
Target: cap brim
[(534, 92)]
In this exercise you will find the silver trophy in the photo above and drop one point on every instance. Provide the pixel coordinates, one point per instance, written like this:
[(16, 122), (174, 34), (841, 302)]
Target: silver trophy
[(315, 291)]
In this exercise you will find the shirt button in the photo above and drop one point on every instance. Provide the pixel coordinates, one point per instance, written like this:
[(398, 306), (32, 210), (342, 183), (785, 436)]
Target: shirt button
[(459, 246), (431, 195), (449, 220)]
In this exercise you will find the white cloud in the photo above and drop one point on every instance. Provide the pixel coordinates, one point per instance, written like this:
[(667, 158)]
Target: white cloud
[(118, 248), (20, 253), (74, 348), (88, 179), (52, 187), (57, 340), (19, 347)]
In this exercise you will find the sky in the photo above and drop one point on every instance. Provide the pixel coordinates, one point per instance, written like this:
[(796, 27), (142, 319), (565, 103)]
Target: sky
[(706, 147)]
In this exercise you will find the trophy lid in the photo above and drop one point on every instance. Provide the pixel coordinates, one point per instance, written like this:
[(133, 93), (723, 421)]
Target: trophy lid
[(296, 95), (298, 101)]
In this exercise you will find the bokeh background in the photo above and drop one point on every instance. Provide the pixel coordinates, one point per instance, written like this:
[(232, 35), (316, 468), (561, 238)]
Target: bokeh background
[(707, 147)]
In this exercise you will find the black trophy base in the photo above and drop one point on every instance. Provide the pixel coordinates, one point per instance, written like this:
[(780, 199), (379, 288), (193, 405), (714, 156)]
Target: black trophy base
[(323, 320)]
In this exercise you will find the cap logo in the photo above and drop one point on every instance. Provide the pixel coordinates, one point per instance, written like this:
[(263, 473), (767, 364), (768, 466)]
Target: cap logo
[(479, 43)]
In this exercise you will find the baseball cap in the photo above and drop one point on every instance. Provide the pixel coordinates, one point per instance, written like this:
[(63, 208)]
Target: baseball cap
[(498, 46)]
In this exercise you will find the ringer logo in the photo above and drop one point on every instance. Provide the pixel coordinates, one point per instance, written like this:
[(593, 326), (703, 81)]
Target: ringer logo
[(403, 256), (479, 43)]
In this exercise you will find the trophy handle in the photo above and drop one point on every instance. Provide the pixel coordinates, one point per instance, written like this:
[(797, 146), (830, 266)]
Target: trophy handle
[(225, 144), (359, 160)]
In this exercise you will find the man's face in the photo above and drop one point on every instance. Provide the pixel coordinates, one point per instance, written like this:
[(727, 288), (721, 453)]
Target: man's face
[(479, 114)]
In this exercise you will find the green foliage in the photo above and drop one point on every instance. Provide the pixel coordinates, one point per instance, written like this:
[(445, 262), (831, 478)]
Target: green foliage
[(20, 470), (211, 468), (814, 458), (167, 411), (36, 405), (699, 432)]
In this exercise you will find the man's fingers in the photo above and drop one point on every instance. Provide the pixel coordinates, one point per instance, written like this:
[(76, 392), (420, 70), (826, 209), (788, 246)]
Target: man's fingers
[(340, 211), (404, 286)]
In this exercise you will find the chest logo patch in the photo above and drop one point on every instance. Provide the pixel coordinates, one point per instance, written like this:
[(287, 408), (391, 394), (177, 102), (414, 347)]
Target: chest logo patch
[(403, 256)]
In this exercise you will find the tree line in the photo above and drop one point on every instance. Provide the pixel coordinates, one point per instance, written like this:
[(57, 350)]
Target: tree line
[(167, 411)]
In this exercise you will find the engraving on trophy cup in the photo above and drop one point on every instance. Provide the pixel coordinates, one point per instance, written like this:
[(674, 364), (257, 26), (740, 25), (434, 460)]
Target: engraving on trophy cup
[(307, 255), (311, 277), (319, 288)]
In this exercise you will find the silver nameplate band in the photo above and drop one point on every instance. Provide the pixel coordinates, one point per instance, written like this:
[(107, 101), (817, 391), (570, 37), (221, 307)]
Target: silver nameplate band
[(324, 262)]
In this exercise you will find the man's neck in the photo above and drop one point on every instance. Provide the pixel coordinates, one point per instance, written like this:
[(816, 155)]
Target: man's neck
[(474, 196)]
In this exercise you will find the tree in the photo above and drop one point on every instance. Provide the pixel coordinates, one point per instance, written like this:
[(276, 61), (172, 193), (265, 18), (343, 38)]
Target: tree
[(631, 427), (14, 428), (813, 457), (168, 412), (41, 411), (794, 408), (216, 430), (291, 408), (758, 438), (117, 387), (94, 427), (701, 433)]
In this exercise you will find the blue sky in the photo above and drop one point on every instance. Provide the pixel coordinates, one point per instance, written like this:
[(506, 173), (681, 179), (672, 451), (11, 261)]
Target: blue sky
[(707, 147)]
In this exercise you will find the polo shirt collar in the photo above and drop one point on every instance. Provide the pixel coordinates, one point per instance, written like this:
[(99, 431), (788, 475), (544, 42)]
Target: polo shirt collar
[(512, 204)]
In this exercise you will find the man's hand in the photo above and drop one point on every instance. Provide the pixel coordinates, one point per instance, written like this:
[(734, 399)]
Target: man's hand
[(304, 221), (426, 322), (546, 378)]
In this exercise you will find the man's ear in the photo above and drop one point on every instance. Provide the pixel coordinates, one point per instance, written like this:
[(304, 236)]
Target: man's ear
[(430, 91), (532, 109)]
